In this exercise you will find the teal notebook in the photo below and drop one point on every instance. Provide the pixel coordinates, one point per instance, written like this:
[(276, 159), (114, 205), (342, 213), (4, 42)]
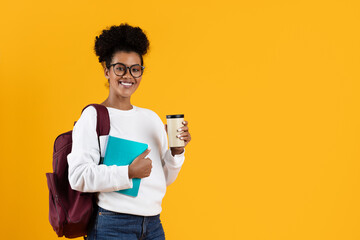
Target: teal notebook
[(122, 152)]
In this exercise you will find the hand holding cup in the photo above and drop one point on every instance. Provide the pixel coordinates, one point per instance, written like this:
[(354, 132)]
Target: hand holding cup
[(178, 132)]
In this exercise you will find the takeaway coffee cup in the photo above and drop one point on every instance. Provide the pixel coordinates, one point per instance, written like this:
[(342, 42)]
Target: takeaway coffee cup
[(174, 122)]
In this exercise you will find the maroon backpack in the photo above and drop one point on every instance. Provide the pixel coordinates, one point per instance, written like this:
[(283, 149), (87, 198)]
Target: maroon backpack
[(71, 211)]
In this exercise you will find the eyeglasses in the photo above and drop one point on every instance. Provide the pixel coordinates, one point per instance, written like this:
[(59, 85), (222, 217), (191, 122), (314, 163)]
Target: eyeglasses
[(120, 69)]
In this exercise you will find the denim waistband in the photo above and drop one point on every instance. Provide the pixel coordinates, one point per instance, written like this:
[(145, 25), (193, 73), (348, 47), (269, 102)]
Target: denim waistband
[(105, 211)]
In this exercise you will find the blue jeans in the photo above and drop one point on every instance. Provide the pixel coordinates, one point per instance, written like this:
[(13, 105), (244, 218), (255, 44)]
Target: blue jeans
[(110, 225)]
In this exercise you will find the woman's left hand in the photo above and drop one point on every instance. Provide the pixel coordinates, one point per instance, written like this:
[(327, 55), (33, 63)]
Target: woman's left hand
[(183, 134)]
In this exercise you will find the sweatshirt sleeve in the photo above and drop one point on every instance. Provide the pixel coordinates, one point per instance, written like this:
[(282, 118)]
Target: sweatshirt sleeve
[(171, 164), (85, 173)]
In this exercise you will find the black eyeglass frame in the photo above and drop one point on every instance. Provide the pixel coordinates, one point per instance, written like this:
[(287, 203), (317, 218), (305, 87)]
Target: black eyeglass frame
[(126, 69)]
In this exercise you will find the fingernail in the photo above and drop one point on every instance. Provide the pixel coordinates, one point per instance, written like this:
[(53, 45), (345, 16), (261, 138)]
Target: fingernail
[(181, 138), (184, 122), (179, 130), (178, 135)]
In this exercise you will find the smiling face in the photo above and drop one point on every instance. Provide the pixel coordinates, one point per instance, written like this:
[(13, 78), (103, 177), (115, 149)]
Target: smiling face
[(125, 86)]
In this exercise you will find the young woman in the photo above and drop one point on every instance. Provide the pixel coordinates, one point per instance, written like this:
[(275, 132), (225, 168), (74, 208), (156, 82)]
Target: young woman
[(121, 49)]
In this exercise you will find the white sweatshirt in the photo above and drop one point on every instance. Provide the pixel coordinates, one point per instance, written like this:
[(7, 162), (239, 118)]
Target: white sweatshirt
[(86, 175)]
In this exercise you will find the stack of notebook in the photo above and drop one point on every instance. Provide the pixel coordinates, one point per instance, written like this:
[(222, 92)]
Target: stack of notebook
[(122, 152)]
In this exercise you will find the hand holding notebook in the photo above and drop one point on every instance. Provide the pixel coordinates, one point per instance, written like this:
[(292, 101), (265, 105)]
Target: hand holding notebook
[(141, 166), (123, 152)]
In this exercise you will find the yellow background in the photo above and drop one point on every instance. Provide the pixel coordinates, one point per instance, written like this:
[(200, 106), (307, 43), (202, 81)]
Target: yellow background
[(270, 90)]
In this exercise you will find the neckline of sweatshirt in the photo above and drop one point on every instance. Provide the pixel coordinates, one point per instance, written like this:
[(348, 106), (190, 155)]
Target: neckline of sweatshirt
[(123, 112)]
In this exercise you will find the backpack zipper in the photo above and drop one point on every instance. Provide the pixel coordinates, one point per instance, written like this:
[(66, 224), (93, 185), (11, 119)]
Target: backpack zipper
[(58, 200), (57, 211)]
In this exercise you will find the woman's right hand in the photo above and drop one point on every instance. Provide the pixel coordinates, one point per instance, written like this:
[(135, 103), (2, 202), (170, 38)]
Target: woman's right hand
[(141, 166)]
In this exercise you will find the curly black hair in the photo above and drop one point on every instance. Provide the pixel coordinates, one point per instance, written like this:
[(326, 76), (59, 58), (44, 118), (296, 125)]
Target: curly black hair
[(120, 38)]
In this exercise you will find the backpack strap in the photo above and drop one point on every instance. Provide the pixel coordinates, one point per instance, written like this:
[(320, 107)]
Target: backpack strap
[(103, 119), (102, 123)]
